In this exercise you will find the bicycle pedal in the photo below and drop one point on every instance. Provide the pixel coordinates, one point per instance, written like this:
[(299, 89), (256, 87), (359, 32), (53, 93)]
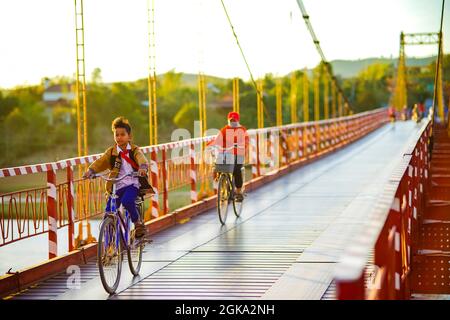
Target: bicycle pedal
[(143, 240)]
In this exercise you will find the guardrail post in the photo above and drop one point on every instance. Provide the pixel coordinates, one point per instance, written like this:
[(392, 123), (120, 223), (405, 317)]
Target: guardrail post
[(272, 154), (254, 157), (329, 135), (344, 131), (390, 264), (70, 208), (300, 143), (393, 248), (347, 131), (358, 128), (154, 173), (318, 128), (258, 157), (409, 219), (283, 148), (52, 215), (350, 130), (399, 242), (165, 182), (193, 174), (420, 178), (339, 132), (351, 290), (383, 254), (333, 133)]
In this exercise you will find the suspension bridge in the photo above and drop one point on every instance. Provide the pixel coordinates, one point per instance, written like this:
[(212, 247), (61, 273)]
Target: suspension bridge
[(342, 206)]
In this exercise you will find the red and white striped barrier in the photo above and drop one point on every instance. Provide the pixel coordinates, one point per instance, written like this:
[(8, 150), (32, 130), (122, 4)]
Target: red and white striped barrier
[(44, 167), (193, 174), (154, 175), (253, 154), (389, 232), (332, 133), (70, 208), (327, 136), (52, 215), (63, 164), (283, 147), (314, 139), (272, 154), (300, 142), (307, 141), (165, 182), (91, 204)]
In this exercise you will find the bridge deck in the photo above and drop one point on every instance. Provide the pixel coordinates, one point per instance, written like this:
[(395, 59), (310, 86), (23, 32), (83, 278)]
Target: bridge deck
[(284, 246)]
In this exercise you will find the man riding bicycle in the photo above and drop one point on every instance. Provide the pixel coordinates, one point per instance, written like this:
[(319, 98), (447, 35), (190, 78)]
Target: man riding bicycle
[(234, 137), (391, 112)]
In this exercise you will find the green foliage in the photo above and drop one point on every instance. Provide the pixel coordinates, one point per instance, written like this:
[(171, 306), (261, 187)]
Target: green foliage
[(32, 130), (186, 116), (371, 86), (23, 132), (96, 75)]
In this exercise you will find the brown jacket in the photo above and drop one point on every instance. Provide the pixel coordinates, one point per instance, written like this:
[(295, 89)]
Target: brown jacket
[(104, 162)]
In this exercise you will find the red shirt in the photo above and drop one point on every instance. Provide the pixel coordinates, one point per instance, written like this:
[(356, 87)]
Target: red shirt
[(391, 111), (421, 108), (228, 136)]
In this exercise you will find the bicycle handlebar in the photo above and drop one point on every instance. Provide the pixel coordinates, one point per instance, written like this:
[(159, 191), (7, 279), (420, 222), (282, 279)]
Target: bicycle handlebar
[(229, 148), (114, 180)]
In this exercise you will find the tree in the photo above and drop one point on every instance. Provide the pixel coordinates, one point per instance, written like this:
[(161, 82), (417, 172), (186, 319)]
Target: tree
[(96, 76), (186, 116)]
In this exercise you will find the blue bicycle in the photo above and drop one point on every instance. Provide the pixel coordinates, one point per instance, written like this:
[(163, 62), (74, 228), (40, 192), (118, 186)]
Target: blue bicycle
[(117, 235)]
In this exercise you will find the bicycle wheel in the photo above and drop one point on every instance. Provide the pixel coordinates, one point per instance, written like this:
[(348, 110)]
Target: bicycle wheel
[(109, 255), (223, 196), (237, 205), (134, 249)]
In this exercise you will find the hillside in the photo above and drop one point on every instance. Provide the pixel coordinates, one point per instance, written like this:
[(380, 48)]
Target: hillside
[(344, 68), (351, 68)]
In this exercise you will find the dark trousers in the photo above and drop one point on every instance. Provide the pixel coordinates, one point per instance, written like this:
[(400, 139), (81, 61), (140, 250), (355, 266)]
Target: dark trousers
[(127, 197), (237, 174)]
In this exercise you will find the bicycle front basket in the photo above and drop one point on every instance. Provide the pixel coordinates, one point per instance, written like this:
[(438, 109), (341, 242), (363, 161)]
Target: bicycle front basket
[(225, 162)]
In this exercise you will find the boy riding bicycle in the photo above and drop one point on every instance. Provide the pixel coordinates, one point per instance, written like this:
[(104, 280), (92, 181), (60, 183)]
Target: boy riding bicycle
[(234, 137), (124, 158)]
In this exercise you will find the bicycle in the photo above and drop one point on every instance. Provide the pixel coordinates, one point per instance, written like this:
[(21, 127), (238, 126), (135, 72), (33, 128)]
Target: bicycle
[(226, 189), (115, 236)]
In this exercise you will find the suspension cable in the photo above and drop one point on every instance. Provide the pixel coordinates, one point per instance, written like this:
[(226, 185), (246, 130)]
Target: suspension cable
[(438, 62), (320, 51), (259, 94)]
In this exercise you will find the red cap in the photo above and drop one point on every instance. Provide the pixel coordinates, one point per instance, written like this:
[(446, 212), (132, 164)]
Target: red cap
[(233, 116)]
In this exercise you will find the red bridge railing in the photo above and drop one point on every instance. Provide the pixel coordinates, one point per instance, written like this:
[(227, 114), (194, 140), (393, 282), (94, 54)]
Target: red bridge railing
[(390, 233), (180, 172)]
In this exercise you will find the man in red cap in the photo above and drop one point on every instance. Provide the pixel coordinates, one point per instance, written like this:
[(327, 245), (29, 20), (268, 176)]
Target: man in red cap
[(235, 138), (391, 112)]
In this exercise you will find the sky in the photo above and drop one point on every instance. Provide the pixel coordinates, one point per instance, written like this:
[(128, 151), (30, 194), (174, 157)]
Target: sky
[(37, 38)]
